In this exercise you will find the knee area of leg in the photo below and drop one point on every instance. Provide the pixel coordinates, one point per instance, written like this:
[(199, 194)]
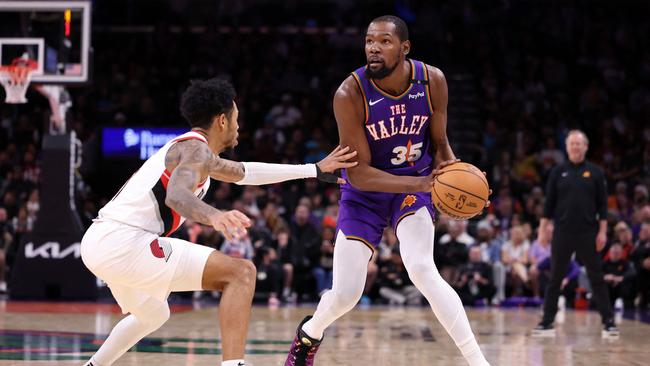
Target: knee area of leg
[(422, 270), (246, 273), (153, 317)]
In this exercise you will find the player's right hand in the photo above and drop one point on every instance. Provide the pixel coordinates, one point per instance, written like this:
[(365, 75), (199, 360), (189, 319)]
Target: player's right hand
[(232, 224)]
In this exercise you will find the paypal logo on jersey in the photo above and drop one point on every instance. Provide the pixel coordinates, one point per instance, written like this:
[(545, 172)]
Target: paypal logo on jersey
[(131, 138), (416, 95)]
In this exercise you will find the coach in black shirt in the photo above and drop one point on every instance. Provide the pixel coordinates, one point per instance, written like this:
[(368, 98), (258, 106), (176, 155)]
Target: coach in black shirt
[(576, 201)]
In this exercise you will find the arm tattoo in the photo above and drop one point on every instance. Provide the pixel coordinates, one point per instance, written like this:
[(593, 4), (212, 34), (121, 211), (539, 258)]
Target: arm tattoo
[(188, 161), (226, 170)]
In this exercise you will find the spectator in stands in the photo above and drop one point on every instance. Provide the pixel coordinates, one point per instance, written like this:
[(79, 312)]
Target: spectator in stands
[(618, 202), (323, 270), (283, 247), (534, 205), (640, 198), (271, 219), (451, 251), (269, 276), (491, 254), (475, 279), (622, 236), (550, 155), (569, 283), (539, 251), (285, 114), (395, 286), (619, 276), (304, 249), (641, 258), (239, 248), (514, 256)]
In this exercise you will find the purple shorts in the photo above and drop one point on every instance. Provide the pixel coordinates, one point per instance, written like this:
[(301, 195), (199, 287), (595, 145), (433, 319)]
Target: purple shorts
[(363, 216)]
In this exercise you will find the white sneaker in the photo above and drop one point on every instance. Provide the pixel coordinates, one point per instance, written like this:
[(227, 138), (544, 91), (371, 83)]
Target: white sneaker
[(3, 287)]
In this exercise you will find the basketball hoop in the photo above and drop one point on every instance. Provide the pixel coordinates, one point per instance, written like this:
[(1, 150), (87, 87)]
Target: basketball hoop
[(15, 78)]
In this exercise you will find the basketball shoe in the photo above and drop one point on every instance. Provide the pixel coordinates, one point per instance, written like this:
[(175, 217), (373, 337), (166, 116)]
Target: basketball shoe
[(610, 330), (303, 349), (543, 330)]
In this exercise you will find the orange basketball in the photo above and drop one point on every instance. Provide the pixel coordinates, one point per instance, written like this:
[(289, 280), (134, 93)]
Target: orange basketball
[(460, 191)]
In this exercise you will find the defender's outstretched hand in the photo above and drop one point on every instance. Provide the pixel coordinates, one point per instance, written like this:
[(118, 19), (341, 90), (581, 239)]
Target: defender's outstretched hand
[(337, 159)]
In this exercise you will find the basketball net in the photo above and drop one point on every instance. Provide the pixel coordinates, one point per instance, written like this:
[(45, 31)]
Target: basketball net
[(15, 79)]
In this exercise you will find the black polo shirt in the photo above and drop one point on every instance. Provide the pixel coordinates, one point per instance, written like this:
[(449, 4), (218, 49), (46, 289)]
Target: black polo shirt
[(576, 198)]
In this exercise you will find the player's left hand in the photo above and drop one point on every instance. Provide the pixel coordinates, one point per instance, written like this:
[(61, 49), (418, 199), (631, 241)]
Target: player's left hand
[(443, 164), (601, 240), (337, 159)]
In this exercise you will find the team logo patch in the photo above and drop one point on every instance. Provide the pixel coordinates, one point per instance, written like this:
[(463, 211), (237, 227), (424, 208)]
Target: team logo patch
[(586, 174), (161, 249), (408, 201)]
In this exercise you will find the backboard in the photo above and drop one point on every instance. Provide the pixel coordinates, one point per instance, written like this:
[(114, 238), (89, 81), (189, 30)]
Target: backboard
[(56, 34)]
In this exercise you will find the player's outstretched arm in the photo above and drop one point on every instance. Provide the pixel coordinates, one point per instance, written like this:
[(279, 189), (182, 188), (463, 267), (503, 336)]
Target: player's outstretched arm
[(350, 118), (188, 163), (253, 173)]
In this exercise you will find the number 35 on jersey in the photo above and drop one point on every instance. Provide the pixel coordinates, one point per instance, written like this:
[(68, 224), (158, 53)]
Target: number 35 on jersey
[(409, 153)]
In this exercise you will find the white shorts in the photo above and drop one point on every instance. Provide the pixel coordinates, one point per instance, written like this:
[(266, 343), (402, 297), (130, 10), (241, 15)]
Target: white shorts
[(138, 265)]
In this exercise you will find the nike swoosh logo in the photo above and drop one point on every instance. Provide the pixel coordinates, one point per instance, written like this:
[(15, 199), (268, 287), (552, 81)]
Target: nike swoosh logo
[(373, 102)]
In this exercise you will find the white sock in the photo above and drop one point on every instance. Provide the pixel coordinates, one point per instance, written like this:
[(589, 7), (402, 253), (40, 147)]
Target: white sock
[(415, 234), (233, 363), (149, 317), (349, 278)]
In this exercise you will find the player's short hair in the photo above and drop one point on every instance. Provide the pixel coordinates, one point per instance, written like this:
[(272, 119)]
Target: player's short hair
[(205, 99), (401, 29)]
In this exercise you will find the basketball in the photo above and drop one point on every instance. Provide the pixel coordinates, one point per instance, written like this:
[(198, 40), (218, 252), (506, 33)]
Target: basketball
[(460, 191)]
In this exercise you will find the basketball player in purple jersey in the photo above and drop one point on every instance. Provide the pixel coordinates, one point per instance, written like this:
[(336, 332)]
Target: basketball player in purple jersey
[(393, 112)]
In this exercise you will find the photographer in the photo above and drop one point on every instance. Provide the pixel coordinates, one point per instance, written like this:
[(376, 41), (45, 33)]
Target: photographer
[(475, 280)]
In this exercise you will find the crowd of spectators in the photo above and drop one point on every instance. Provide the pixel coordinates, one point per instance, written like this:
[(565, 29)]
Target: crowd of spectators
[(539, 70)]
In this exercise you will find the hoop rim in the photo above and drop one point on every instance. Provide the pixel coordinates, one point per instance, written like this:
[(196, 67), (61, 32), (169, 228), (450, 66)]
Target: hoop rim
[(30, 65)]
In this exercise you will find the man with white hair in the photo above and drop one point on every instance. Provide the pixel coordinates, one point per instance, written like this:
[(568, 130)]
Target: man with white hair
[(576, 202)]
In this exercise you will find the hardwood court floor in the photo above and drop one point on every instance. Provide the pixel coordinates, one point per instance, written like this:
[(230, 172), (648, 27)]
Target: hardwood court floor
[(66, 334)]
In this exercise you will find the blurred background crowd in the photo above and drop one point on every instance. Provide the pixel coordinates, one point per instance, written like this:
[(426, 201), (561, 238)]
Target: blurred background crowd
[(520, 75)]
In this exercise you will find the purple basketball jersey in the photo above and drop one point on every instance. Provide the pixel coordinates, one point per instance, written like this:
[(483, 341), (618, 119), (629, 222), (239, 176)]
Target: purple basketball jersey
[(397, 130)]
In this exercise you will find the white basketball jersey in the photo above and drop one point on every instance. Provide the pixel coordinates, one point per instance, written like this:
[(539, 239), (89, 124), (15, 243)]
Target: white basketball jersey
[(141, 200)]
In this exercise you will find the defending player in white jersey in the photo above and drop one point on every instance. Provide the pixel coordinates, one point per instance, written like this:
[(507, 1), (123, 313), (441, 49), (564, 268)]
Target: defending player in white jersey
[(127, 245)]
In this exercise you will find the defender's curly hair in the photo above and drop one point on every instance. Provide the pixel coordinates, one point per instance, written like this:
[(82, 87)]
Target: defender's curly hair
[(205, 99)]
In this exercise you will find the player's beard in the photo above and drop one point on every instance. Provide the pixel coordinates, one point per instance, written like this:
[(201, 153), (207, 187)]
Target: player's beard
[(381, 73)]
